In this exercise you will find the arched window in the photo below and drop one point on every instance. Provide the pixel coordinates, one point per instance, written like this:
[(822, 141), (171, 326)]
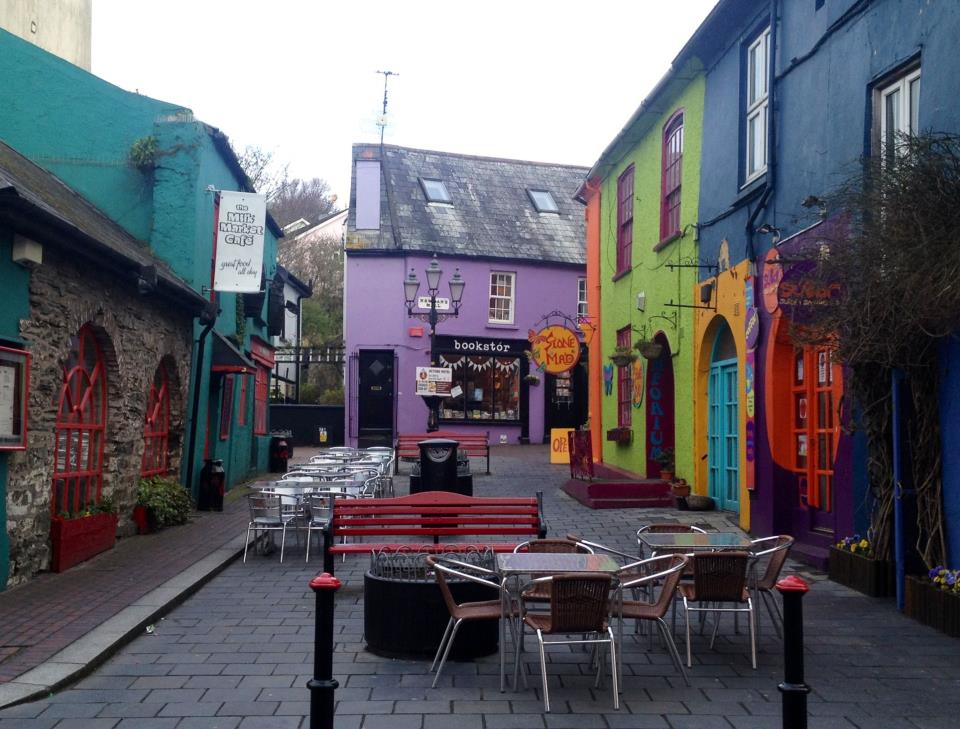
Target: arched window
[(156, 428), (671, 177), (80, 427)]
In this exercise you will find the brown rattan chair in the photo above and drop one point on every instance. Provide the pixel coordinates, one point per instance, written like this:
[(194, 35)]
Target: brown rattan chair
[(719, 578), (770, 554), (466, 611), (579, 604), (646, 576)]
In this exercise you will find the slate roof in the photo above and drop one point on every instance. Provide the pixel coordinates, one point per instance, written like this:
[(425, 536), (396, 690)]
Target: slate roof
[(36, 202), (491, 214)]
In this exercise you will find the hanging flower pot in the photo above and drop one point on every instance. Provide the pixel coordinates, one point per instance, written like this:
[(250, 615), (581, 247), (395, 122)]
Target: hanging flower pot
[(650, 350), (623, 357), (531, 379)]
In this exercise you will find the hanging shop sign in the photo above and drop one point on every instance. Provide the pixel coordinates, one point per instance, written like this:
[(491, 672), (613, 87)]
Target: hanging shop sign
[(554, 349), (752, 330), (772, 275), (14, 395), (241, 222), (800, 294), (434, 381)]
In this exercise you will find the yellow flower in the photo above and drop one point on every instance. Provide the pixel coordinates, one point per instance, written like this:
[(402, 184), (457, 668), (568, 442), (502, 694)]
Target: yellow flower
[(853, 547), (864, 544)]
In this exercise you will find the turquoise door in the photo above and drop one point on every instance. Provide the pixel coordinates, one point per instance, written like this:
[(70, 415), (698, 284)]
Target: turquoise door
[(723, 435)]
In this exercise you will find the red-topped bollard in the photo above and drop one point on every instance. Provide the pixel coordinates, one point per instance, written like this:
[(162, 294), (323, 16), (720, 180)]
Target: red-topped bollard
[(793, 688), (323, 684)]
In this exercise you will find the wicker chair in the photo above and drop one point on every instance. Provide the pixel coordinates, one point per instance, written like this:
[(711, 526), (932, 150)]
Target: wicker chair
[(657, 572), (579, 604), (719, 577), (770, 554), (466, 611)]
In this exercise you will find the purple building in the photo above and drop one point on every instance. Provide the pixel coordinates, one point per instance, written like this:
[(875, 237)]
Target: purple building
[(516, 236)]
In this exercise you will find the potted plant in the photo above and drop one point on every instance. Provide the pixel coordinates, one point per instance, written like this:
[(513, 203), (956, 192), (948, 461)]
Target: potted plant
[(164, 501), (680, 488), (852, 563), (623, 356), (649, 350), (532, 379), (934, 599), (665, 457), (75, 537)]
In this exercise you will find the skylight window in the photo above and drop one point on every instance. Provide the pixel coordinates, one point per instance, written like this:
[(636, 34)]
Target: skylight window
[(543, 201), (435, 190)]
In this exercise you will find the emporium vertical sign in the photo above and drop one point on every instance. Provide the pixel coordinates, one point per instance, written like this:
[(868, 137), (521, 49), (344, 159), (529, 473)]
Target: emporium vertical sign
[(751, 334), (238, 262)]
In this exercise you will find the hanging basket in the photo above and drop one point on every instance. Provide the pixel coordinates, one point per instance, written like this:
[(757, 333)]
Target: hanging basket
[(650, 350), (623, 357)]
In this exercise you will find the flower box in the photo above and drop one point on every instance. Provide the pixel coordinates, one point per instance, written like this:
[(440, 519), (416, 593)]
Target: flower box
[(620, 435), (925, 602), (79, 539), (872, 577)]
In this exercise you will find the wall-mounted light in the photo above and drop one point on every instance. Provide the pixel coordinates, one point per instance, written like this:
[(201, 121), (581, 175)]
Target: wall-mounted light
[(641, 301), (28, 253), (767, 229), (706, 293)]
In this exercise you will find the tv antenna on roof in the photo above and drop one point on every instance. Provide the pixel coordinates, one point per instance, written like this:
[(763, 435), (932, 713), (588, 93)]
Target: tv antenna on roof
[(382, 120)]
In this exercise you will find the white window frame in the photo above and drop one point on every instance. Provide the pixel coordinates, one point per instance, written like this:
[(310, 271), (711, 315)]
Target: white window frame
[(902, 85), (757, 107), (505, 301), (582, 297)]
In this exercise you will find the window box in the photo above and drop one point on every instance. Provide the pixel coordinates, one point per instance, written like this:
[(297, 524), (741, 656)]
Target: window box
[(872, 577), (76, 540), (928, 604), (620, 435)]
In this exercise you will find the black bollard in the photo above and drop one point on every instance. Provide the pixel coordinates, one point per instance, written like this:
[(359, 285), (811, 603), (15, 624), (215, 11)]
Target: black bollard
[(793, 688), (323, 684)]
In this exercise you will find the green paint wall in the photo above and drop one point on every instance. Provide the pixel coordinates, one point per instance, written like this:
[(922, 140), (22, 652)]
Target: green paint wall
[(651, 275), (15, 285)]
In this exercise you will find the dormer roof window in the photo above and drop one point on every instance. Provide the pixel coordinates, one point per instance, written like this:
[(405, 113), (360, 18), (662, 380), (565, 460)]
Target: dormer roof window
[(543, 201), (435, 191)]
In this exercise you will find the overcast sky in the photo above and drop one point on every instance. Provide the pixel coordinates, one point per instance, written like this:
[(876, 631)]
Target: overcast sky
[(550, 80)]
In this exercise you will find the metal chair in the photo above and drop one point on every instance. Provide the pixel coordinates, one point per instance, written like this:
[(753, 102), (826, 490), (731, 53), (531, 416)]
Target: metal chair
[(770, 554), (269, 513), (467, 611), (579, 604), (719, 578), (646, 576), (541, 592), (665, 529)]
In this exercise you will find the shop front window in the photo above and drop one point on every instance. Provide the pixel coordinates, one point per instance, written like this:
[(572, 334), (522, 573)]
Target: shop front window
[(483, 388)]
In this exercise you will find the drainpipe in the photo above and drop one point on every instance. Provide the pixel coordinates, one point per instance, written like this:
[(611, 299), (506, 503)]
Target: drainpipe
[(197, 378), (899, 548)]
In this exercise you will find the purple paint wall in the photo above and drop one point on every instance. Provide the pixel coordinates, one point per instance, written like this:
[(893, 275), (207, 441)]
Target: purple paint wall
[(375, 318)]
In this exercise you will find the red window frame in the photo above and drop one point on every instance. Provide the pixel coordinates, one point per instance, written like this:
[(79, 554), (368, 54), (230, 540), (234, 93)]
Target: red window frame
[(624, 383), (625, 220), (815, 391), (156, 427), (261, 386), (226, 407), (80, 427), (671, 176), (242, 413)]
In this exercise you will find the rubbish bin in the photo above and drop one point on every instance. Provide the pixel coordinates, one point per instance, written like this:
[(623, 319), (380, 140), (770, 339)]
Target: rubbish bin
[(464, 482), (438, 464), (212, 481), (279, 454)]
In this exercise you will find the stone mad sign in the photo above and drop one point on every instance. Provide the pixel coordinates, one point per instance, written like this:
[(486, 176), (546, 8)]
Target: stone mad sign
[(241, 221), (554, 349)]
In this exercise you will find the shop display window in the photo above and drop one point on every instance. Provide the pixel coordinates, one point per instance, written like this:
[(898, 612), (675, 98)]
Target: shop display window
[(483, 388)]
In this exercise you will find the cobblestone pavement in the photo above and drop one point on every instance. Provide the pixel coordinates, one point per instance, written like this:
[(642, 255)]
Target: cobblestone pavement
[(238, 654)]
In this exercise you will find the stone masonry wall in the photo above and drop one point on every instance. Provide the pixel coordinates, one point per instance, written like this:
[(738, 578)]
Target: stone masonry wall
[(135, 332)]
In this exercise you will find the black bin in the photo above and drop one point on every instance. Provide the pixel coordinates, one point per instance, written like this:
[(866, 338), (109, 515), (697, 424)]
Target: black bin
[(212, 482), (438, 464), (279, 454)]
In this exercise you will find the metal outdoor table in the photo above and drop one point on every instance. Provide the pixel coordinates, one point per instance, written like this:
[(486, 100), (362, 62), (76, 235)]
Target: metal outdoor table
[(689, 542), (512, 566)]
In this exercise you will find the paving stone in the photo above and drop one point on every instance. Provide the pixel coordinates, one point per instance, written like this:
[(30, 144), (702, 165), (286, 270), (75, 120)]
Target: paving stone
[(130, 710)]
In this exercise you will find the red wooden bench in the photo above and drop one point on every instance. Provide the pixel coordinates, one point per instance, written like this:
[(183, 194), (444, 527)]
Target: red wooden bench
[(473, 444), (431, 515)]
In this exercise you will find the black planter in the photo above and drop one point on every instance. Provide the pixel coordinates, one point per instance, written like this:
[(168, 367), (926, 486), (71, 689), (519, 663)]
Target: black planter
[(928, 604), (872, 577), (406, 619)]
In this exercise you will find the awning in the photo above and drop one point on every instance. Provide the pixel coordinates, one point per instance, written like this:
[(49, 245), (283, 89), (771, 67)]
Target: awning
[(227, 358)]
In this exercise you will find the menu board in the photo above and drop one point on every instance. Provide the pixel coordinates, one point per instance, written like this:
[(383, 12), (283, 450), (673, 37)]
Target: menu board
[(14, 379)]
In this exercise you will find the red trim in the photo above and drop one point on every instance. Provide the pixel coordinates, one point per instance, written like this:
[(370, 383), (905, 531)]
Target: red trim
[(262, 352), (226, 407), (231, 370), (261, 384), (156, 428)]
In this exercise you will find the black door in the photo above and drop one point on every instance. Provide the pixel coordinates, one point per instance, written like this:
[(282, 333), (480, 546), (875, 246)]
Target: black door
[(566, 400), (375, 405)]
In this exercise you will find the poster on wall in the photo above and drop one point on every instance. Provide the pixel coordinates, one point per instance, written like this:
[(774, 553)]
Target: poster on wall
[(241, 222), (14, 395), (435, 381)]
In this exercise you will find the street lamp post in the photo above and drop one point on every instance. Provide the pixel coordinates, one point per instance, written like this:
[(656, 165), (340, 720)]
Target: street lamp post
[(437, 312)]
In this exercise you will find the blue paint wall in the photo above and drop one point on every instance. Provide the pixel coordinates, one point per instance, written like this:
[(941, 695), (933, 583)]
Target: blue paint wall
[(950, 436)]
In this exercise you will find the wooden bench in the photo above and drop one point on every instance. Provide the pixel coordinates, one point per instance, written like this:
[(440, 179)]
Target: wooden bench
[(473, 444), (431, 515)]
